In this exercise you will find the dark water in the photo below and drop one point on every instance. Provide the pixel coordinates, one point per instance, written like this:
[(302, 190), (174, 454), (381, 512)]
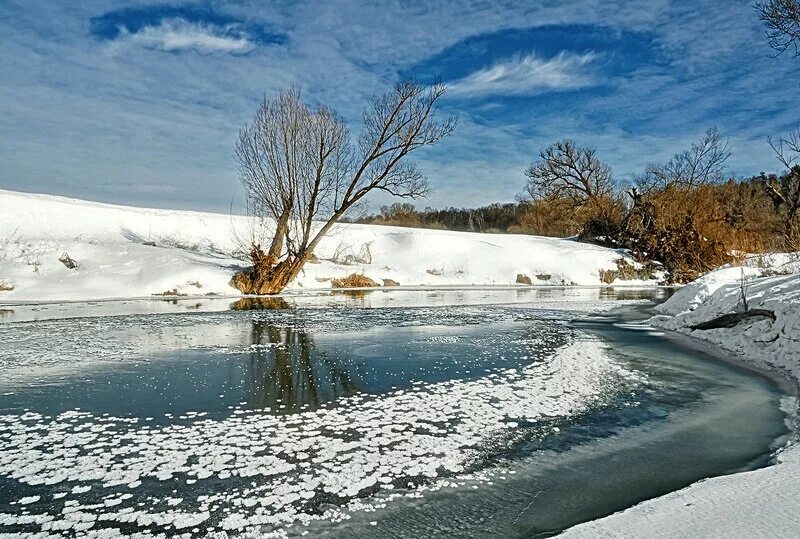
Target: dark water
[(415, 421)]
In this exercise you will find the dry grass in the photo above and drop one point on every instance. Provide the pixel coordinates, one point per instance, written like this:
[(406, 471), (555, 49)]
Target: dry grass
[(523, 279), (6, 287), (626, 272), (354, 280)]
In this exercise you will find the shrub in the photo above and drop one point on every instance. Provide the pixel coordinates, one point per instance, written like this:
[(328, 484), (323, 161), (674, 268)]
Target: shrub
[(549, 217), (626, 272), (523, 279), (354, 280)]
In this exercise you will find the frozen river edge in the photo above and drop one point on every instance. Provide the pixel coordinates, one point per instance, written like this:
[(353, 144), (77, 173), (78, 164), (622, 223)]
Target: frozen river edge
[(759, 503)]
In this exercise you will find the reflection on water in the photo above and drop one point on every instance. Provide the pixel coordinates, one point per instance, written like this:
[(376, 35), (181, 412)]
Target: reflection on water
[(566, 298), (259, 304), (287, 374)]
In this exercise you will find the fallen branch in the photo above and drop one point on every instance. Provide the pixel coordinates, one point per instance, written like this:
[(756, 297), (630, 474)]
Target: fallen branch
[(732, 319)]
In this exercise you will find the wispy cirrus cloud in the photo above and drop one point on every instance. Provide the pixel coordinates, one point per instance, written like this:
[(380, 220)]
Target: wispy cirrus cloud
[(177, 35), (99, 95), (181, 28), (528, 74)]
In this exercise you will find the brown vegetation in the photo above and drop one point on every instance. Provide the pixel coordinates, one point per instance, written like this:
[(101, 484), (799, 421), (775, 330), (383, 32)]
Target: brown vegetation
[(626, 272), (354, 280), (523, 279), (6, 287)]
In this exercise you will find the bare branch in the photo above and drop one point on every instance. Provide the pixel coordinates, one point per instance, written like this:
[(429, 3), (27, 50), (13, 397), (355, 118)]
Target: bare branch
[(567, 170), (786, 192), (781, 20), (787, 149), (702, 164)]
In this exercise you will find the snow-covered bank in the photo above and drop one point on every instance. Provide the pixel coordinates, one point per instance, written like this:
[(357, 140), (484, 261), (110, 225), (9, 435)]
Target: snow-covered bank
[(125, 252), (761, 503)]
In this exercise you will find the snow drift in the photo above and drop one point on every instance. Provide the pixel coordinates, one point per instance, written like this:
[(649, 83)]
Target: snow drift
[(762, 503), (124, 252)]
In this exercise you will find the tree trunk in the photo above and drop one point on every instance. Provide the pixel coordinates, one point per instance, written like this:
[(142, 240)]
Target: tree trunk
[(281, 227), (264, 279), (732, 319)]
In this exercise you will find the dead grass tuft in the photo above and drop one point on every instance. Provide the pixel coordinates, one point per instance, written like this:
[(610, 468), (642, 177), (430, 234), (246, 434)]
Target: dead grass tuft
[(6, 287), (523, 279), (354, 280), (626, 272)]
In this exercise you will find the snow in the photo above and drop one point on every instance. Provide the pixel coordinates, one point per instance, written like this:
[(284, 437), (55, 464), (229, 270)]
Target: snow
[(761, 503), (195, 254), (416, 438)]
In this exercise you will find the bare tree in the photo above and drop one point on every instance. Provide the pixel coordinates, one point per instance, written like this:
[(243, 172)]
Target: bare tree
[(702, 164), (302, 171), (567, 170), (786, 195), (782, 21)]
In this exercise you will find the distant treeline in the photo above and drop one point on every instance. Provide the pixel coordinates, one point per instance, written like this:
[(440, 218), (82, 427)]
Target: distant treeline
[(495, 217)]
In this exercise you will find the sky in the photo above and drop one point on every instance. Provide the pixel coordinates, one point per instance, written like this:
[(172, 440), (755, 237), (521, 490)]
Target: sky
[(140, 103)]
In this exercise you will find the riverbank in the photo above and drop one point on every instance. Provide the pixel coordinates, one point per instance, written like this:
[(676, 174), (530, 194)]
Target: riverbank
[(760, 503), (55, 249)]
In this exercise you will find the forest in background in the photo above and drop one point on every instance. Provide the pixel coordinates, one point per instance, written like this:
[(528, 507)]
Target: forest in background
[(685, 213)]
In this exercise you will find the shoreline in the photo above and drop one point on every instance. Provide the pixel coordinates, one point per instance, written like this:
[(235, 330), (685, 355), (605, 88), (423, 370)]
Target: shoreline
[(373, 297), (307, 292), (760, 502)]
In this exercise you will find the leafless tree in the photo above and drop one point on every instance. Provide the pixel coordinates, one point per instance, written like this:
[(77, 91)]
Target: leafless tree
[(702, 164), (786, 194), (302, 171), (567, 170), (782, 22)]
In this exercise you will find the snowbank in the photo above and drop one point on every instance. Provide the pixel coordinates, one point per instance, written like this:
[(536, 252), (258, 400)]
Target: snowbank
[(762, 503), (126, 252)]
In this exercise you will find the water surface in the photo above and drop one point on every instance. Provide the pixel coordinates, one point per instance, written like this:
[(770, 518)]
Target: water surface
[(436, 413)]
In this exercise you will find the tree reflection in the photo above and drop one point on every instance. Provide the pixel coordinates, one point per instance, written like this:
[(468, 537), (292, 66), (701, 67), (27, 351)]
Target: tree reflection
[(288, 369), (259, 303)]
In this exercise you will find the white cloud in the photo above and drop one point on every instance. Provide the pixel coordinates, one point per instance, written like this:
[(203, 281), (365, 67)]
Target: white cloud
[(528, 74), (178, 34)]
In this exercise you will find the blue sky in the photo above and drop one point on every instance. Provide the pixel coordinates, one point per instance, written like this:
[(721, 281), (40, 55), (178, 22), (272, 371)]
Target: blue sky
[(139, 103)]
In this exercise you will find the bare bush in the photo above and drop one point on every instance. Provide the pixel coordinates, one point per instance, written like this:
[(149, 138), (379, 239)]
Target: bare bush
[(68, 261), (566, 170), (785, 193), (354, 280), (701, 164)]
